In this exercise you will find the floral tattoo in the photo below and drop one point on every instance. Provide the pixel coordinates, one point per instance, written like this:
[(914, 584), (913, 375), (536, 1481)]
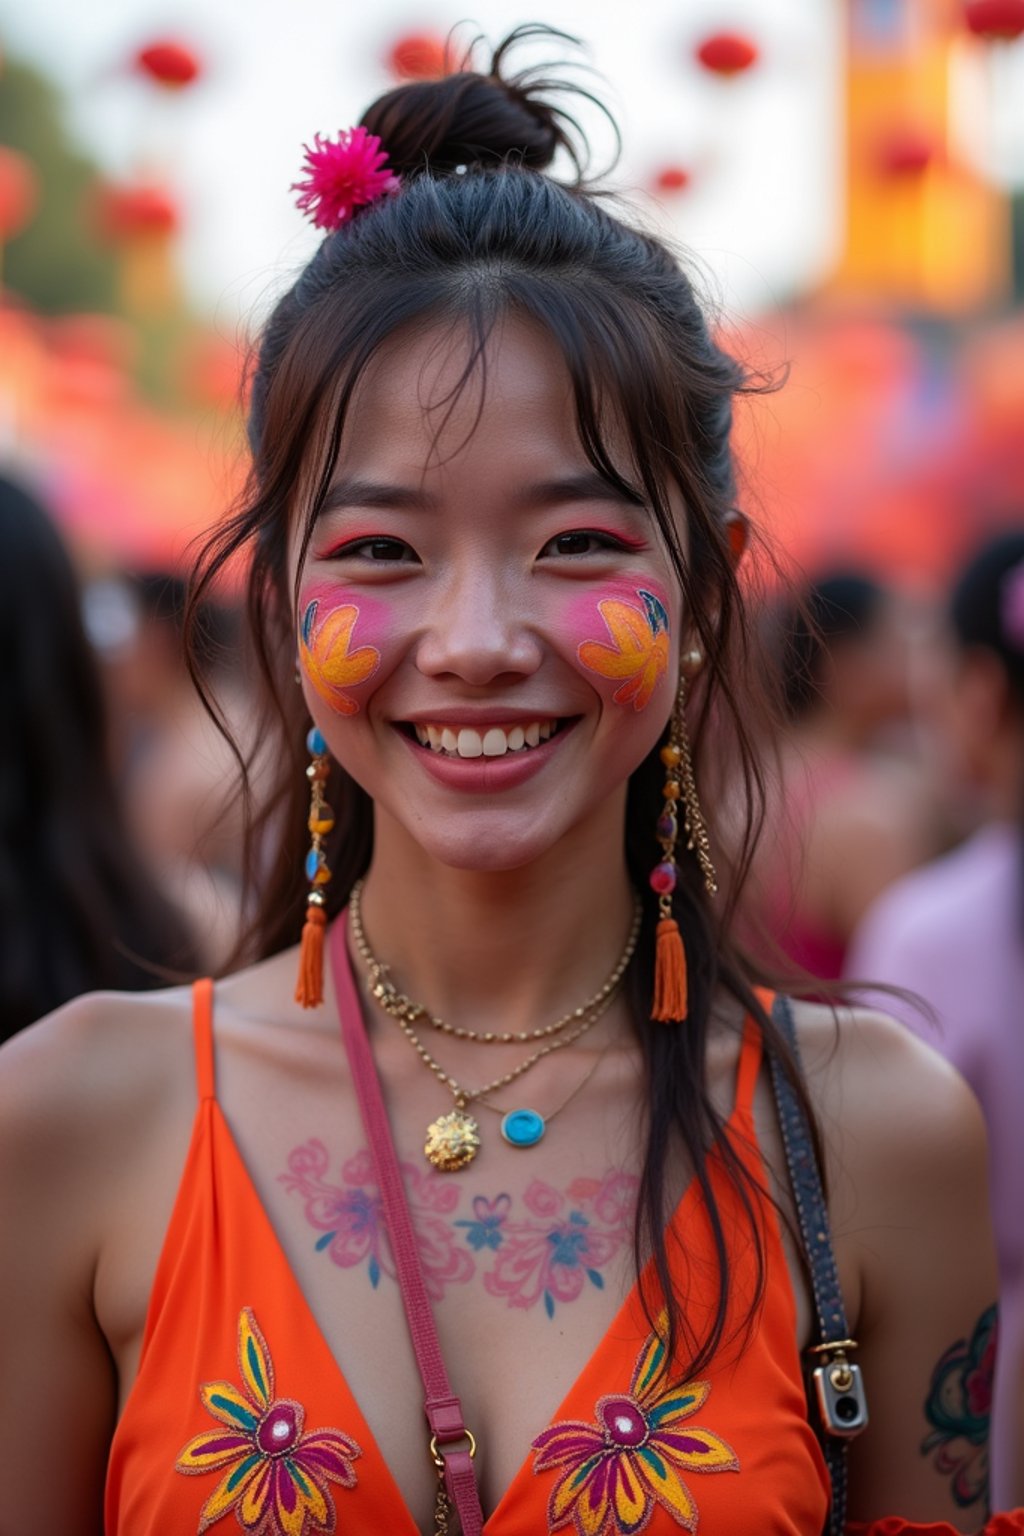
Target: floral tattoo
[(958, 1406), (545, 1253)]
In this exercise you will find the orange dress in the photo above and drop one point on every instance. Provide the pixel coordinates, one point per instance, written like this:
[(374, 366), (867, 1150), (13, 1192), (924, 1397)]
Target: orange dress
[(240, 1415)]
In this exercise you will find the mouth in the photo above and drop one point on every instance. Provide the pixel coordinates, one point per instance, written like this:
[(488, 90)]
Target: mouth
[(487, 740)]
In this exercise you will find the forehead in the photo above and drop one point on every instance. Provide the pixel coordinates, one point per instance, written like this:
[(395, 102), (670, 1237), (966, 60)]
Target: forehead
[(433, 398)]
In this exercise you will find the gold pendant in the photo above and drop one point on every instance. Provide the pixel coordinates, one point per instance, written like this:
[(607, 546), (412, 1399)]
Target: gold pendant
[(452, 1141)]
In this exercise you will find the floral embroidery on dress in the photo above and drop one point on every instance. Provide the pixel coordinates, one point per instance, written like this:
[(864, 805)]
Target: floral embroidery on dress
[(617, 1469), (275, 1477)]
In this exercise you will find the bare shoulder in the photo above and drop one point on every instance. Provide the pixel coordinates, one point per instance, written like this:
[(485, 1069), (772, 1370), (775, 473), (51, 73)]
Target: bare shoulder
[(85, 1084), (900, 1124)]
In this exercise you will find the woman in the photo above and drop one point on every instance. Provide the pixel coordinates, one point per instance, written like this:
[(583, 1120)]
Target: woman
[(954, 930), (853, 815), (78, 908), (491, 532)]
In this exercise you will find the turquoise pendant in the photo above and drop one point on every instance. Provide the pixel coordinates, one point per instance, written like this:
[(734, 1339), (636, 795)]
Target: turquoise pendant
[(523, 1127)]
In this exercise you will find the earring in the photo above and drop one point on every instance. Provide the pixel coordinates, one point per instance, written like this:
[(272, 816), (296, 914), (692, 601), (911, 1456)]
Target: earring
[(670, 979), (309, 990)]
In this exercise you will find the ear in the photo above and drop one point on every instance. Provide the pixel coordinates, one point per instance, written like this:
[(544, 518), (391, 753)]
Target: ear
[(737, 533)]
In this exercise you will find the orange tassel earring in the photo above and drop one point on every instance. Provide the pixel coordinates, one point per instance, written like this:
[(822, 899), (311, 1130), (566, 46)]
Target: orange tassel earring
[(309, 990), (670, 981)]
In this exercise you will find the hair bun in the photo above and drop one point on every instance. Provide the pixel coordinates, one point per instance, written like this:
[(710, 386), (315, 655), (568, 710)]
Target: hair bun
[(475, 118)]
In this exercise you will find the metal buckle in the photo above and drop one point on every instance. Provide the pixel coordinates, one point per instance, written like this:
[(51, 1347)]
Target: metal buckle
[(437, 1453), (839, 1389)]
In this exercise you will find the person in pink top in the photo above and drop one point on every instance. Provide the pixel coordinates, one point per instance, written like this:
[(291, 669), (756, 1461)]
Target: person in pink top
[(953, 932)]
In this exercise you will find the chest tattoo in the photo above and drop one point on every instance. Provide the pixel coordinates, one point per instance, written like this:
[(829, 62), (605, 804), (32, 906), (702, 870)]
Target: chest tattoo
[(541, 1249)]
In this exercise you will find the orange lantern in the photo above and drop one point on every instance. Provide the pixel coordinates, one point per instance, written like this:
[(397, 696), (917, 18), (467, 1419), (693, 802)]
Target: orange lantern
[(129, 212), (19, 191), (168, 62), (727, 53), (996, 20), (672, 179), (418, 56)]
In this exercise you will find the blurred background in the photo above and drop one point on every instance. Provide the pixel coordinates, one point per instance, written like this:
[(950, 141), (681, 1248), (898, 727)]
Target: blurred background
[(845, 176)]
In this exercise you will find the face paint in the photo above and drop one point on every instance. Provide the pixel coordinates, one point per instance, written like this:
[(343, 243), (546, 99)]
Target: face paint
[(637, 625), (329, 657)]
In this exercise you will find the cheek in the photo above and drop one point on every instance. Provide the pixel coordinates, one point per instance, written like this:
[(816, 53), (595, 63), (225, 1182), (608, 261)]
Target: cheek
[(345, 642), (619, 637)]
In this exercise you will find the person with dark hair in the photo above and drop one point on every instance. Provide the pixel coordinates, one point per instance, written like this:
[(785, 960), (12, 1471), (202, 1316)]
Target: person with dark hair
[(176, 768), (487, 1212), (953, 932), (851, 811), (78, 910)]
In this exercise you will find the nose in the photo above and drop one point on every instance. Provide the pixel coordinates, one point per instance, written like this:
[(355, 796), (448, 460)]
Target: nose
[(478, 632)]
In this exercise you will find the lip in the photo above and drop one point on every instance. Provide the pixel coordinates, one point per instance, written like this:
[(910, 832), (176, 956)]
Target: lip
[(475, 716), (486, 775)]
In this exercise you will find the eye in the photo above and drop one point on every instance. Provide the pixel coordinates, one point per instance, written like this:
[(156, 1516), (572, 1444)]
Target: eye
[(585, 541), (376, 551)]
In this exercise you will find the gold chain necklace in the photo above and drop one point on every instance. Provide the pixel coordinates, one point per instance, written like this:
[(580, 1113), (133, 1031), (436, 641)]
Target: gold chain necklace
[(453, 1139), (384, 991)]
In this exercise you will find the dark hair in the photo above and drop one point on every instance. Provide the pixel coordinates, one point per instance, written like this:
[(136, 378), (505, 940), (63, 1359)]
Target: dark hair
[(77, 909), (982, 607), (833, 609), (467, 249), (986, 612)]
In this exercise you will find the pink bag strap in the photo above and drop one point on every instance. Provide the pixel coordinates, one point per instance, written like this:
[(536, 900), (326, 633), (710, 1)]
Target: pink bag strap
[(452, 1446)]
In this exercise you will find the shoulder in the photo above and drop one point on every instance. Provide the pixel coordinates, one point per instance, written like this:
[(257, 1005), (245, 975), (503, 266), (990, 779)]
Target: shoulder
[(86, 1084), (901, 1127)]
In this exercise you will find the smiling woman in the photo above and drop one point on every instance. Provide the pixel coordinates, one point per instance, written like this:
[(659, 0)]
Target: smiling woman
[(492, 532)]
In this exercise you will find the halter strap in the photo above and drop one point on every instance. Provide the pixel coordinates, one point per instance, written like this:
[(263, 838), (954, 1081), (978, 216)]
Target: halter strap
[(202, 1030)]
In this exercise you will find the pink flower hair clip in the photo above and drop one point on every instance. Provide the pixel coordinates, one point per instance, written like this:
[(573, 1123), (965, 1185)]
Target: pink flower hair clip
[(1011, 606), (342, 175)]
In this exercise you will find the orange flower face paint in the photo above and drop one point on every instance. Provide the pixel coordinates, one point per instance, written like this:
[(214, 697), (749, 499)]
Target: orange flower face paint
[(331, 659), (638, 655)]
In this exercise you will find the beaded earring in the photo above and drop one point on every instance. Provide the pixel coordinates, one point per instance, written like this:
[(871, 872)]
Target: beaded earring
[(309, 990), (670, 978)]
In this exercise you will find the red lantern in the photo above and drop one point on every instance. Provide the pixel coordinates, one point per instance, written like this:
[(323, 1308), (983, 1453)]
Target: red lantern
[(128, 213), (997, 20), (727, 53), (672, 179), (905, 151), (418, 56), (169, 63), (19, 191)]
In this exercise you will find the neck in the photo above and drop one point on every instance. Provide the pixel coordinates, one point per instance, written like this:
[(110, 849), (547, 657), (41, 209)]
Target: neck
[(515, 948)]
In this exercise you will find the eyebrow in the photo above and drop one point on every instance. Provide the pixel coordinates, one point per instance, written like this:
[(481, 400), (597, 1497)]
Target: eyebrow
[(586, 486), (372, 493)]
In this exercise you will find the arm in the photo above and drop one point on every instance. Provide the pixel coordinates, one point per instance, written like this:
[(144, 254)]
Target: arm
[(909, 1182), (57, 1386)]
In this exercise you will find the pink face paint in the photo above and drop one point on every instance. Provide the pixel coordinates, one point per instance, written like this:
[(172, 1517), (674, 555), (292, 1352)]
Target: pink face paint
[(335, 628), (633, 649)]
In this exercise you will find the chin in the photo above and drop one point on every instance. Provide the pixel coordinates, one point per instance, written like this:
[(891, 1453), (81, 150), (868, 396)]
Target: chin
[(487, 850)]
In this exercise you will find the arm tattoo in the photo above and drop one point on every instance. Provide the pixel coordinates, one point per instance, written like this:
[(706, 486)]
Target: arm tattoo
[(958, 1406)]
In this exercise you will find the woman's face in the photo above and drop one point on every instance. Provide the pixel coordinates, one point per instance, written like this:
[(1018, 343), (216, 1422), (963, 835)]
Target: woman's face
[(488, 635)]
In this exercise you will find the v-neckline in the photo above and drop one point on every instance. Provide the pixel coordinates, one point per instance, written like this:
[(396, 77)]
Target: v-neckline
[(620, 1319)]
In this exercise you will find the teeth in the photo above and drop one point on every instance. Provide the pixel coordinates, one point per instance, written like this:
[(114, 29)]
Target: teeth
[(494, 742)]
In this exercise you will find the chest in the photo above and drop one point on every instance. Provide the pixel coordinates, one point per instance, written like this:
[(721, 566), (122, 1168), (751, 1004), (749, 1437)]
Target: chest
[(528, 1257)]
